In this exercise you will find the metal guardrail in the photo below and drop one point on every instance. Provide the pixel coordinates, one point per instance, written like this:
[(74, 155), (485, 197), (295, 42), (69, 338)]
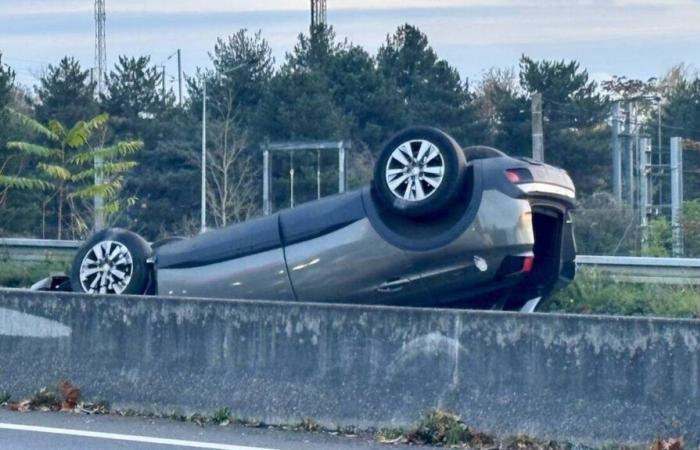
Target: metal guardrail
[(640, 269), (36, 250), (622, 268)]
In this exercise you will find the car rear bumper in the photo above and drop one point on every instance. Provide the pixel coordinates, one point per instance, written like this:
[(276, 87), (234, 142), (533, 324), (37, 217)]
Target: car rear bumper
[(538, 188)]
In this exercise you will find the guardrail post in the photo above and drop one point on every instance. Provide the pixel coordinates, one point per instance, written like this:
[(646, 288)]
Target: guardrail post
[(677, 194)]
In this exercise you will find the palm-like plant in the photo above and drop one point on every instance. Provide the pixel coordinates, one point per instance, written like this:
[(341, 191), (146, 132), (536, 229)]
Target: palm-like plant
[(66, 164)]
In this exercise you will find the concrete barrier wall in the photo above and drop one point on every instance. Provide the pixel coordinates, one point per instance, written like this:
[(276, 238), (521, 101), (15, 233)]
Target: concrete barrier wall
[(583, 379)]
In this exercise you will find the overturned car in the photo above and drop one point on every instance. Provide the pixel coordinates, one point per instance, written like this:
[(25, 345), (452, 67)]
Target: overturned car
[(439, 226)]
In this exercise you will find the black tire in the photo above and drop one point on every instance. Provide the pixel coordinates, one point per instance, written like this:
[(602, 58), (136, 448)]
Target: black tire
[(132, 264), (427, 199)]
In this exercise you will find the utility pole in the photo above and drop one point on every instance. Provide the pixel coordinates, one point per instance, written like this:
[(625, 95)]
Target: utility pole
[(537, 131), (677, 195), (179, 77), (100, 65), (644, 171), (203, 218), (629, 158), (616, 153), (659, 150)]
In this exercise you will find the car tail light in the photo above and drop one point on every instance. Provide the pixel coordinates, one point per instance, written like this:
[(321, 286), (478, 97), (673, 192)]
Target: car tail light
[(517, 176), (519, 264)]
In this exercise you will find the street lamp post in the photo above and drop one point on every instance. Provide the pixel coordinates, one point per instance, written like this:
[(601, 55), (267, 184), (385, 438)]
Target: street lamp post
[(203, 217)]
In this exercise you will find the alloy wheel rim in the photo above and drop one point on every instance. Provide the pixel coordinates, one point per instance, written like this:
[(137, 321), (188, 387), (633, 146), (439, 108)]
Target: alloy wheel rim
[(415, 170), (107, 268)]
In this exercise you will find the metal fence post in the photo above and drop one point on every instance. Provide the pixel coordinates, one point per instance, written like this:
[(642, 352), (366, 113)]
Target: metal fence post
[(677, 194), (341, 167), (266, 181)]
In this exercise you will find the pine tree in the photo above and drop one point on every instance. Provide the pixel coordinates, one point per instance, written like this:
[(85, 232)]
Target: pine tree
[(66, 93)]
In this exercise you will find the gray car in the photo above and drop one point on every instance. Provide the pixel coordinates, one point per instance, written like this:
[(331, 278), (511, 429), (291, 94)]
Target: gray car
[(439, 226)]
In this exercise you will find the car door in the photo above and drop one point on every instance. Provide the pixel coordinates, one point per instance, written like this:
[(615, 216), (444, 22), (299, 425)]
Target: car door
[(334, 254)]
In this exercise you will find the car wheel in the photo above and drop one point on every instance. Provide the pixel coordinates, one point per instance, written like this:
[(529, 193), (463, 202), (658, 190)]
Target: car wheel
[(420, 172), (112, 261)]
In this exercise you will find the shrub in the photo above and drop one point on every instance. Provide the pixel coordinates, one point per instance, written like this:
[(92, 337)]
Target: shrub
[(595, 293)]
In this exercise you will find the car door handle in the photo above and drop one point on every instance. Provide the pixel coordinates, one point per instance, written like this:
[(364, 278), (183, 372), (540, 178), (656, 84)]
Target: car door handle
[(393, 285)]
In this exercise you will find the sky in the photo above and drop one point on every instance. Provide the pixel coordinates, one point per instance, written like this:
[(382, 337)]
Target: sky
[(635, 38)]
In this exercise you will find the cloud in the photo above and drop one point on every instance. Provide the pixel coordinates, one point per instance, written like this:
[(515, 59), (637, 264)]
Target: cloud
[(15, 7), (493, 32)]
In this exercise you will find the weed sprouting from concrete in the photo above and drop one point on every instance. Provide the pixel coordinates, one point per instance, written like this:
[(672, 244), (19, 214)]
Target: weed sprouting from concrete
[(389, 435), (440, 427), (4, 397), (309, 425), (222, 416)]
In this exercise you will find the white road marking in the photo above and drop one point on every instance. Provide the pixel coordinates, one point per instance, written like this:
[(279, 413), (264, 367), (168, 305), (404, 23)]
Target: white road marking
[(126, 437)]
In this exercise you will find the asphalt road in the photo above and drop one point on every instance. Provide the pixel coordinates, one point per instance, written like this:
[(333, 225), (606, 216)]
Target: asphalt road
[(59, 431)]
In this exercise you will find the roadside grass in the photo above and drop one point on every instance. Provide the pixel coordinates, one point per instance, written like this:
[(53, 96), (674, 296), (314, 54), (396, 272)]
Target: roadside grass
[(443, 429), (23, 275), (595, 293)]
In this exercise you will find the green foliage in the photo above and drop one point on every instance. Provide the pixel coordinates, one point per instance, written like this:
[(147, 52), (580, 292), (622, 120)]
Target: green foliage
[(440, 428), (68, 169), (148, 128), (133, 89), (325, 88), (22, 183), (602, 226), (65, 93), (691, 228), (569, 96), (575, 133), (681, 117), (660, 242), (595, 293), (222, 416), (20, 275), (7, 79), (428, 90), (244, 66)]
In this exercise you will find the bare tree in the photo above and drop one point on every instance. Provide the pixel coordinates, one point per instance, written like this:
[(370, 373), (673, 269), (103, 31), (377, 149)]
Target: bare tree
[(231, 172)]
